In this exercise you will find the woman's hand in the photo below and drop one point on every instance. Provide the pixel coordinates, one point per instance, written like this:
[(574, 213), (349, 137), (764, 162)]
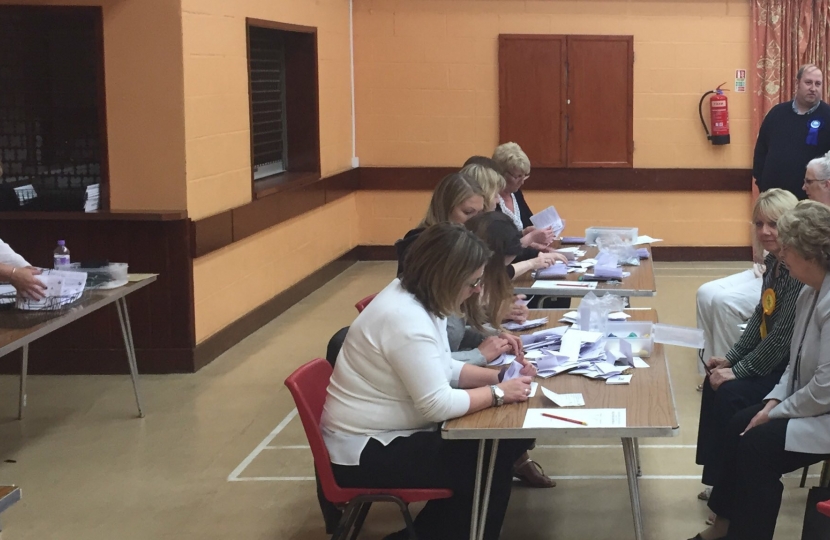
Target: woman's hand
[(544, 236), (528, 369), (717, 362), (763, 415), (24, 280), (720, 376), (515, 343), (493, 347), (544, 260), (515, 390), (518, 313)]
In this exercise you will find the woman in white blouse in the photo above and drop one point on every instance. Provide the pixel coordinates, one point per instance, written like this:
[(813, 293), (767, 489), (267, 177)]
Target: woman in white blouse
[(394, 382), (792, 428)]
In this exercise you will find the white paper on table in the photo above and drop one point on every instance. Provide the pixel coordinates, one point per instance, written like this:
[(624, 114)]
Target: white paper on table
[(553, 284), (595, 418), (646, 239), (564, 400), (618, 316), (570, 346), (619, 379), (534, 354), (583, 335), (607, 368), (548, 217), (533, 387), (552, 361), (640, 363)]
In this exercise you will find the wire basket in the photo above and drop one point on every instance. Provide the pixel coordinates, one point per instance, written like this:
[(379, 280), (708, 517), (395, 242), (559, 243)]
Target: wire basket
[(11, 316)]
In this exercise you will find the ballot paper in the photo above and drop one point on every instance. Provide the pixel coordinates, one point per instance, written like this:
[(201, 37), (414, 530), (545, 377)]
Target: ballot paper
[(548, 217), (642, 253), (533, 387), (564, 400), (573, 285), (513, 371), (595, 418), (554, 271), (502, 360), (608, 272), (645, 239), (578, 240), (619, 379), (527, 325)]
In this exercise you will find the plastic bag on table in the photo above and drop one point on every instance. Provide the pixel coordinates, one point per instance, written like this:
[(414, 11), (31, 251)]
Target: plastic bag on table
[(613, 246), (593, 311)]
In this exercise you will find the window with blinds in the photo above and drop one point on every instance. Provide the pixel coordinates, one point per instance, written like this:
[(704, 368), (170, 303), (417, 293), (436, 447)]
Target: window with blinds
[(269, 137)]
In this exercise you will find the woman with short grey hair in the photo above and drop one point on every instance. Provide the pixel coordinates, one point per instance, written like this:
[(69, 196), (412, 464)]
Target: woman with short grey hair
[(791, 429)]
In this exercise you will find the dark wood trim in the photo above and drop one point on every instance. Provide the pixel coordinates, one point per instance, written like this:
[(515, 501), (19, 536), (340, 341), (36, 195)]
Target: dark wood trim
[(274, 25), (288, 201), (109, 215), (575, 179), (661, 253), (282, 182), (211, 348), (707, 253), (104, 195)]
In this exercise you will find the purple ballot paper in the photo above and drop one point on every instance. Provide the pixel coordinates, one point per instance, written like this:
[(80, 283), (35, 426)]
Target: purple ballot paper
[(642, 253), (573, 240), (554, 271)]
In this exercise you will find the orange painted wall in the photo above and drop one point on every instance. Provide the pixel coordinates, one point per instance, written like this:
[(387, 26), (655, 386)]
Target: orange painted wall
[(426, 74), (216, 93), (679, 218), (232, 281), (145, 103)]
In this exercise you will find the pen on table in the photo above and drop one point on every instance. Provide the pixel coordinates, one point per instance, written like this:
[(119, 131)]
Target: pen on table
[(571, 420), (572, 285)]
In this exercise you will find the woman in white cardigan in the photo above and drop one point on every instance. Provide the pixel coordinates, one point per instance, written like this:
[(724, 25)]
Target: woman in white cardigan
[(792, 428), (15, 270), (394, 382)]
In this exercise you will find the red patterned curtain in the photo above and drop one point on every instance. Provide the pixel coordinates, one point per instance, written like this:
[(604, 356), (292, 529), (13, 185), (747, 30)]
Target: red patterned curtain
[(786, 34)]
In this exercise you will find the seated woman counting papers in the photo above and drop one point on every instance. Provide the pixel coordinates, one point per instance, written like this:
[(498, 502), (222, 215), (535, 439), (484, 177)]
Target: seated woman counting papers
[(791, 429), (394, 382), (754, 364)]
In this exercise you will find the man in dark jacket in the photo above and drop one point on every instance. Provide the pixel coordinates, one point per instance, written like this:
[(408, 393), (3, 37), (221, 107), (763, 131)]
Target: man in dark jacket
[(792, 134)]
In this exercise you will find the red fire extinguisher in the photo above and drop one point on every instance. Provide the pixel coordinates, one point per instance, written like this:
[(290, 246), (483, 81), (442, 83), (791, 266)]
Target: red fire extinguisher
[(719, 115)]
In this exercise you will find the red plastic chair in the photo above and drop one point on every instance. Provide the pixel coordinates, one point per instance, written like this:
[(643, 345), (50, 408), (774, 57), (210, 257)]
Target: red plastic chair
[(308, 387), (360, 306), (824, 508)]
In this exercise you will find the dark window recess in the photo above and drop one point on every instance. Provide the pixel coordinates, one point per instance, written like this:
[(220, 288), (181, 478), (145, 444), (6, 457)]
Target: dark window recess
[(285, 117), (268, 126), (51, 104)]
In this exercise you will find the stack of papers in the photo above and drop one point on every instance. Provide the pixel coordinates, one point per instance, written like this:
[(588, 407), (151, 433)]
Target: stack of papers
[(527, 325), (92, 198), (563, 349), (62, 288), (585, 418), (554, 271)]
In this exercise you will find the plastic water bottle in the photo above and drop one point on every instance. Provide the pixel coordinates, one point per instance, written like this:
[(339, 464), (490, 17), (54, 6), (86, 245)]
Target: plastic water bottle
[(61, 254)]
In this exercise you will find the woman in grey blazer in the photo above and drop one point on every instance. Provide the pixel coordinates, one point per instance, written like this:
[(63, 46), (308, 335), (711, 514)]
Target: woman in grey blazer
[(792, 428)]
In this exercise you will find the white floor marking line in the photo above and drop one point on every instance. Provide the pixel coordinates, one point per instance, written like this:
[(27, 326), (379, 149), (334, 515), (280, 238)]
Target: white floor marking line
[(274, 479), (546, 446), (287, 447), (261, 446)]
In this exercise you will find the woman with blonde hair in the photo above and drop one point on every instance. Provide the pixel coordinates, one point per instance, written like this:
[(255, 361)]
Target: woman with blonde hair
[(456, 198), (791, 428), (752, 367), (491, 182)]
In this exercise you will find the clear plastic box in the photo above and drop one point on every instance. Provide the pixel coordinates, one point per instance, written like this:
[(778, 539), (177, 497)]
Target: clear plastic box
[(626, 234), (641, 346)]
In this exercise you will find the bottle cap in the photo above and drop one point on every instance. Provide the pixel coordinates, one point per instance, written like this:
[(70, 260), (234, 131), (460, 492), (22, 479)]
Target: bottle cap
[(61, 242)]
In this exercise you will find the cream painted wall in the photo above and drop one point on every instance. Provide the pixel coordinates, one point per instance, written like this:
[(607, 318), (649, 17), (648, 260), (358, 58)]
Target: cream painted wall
[(216, 93), (234, 280), (679, 218), (426, 74)]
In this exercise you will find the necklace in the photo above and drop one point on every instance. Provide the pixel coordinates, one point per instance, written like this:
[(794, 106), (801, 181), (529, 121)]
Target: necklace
[(515, 216)]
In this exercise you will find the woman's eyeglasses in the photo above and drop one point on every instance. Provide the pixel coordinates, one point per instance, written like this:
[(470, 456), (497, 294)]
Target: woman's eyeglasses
[(475, 283)]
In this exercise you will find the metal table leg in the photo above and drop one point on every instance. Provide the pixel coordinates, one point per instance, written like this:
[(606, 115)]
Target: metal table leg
[(637, 457), (633, 485), (490, 468), (127, 333), (477, 490), (24, 370), (824, 479)]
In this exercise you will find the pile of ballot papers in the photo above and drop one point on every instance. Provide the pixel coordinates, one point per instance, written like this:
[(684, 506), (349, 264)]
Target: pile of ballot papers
[(566, 349)]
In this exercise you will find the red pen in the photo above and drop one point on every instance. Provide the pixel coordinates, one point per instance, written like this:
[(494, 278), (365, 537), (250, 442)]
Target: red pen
[(571, 420)]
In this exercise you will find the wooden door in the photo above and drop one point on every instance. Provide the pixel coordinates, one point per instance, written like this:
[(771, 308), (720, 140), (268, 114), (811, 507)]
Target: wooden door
[(601, 101), (532, 96)]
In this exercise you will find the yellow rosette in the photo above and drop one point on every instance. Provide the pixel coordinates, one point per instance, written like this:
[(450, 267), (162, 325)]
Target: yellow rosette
[(768, 305)]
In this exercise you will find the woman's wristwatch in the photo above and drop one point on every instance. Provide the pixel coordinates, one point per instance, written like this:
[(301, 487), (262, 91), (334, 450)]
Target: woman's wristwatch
[(498, 395)]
